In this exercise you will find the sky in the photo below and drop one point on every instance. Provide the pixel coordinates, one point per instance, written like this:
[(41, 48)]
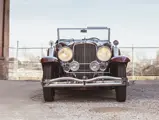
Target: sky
[(133, 22), (34, 22)]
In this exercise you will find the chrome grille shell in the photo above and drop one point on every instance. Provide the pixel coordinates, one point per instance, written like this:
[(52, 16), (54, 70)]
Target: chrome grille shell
[(84, 52)]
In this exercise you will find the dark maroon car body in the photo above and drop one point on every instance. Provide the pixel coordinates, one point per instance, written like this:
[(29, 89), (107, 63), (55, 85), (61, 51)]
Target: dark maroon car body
[(57, 74)]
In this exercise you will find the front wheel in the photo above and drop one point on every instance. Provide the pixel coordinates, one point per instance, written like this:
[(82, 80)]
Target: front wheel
[(119, 70), (120, 93), (49, 94)]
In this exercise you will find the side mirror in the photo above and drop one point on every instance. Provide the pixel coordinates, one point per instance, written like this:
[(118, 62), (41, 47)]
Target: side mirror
[(83, 31)]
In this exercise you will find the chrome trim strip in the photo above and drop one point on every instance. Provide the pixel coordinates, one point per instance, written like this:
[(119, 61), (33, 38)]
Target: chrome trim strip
[(86, 85), (84, 63), (72, 82), (82, 80), (88, 72), (89, 27)]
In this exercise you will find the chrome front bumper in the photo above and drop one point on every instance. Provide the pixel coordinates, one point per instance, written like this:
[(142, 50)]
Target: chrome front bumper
[(93, 82)]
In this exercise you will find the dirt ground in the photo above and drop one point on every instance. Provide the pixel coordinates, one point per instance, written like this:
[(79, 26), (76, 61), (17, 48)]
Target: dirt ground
[(23, 100)]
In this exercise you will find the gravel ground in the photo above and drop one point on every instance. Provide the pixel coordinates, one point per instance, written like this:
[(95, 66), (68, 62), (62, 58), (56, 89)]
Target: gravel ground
[(23, 100)]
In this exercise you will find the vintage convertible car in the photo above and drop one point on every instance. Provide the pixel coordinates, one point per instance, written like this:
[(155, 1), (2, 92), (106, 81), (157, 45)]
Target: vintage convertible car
[(84, 62)]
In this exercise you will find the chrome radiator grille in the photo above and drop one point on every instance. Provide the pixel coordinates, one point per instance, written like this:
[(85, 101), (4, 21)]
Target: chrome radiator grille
[(85, 53)]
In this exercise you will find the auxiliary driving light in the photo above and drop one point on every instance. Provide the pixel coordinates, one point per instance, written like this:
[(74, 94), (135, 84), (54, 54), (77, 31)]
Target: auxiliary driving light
[(94, 66), (103, 66), (74, 66), (66, 67)]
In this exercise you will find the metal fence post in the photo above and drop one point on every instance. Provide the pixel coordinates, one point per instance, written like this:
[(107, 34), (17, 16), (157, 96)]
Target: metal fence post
[(17, 50), (133, 62), (41, 51)]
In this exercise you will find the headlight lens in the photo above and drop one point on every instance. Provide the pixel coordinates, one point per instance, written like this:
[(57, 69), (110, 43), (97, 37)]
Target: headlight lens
[(65, 54), (104, 53)]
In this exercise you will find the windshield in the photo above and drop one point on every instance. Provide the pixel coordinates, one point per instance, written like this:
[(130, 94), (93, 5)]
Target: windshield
[(101, 34)]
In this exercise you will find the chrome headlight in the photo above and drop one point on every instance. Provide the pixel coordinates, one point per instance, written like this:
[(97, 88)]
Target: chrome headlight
[(65, 54), (104, 53)]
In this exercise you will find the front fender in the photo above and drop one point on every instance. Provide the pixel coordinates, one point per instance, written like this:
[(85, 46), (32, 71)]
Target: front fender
[(48, 59), (52, 64), (120, 59)]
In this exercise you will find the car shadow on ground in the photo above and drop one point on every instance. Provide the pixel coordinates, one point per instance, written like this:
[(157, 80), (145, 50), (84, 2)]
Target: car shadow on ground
[(78, 95), (136, 91)]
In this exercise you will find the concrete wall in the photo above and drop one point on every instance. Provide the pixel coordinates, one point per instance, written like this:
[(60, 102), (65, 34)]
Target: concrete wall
[(4, 38)]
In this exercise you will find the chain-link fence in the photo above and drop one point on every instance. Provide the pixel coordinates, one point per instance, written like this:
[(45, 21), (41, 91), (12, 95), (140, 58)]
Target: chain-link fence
[(24, 63)]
